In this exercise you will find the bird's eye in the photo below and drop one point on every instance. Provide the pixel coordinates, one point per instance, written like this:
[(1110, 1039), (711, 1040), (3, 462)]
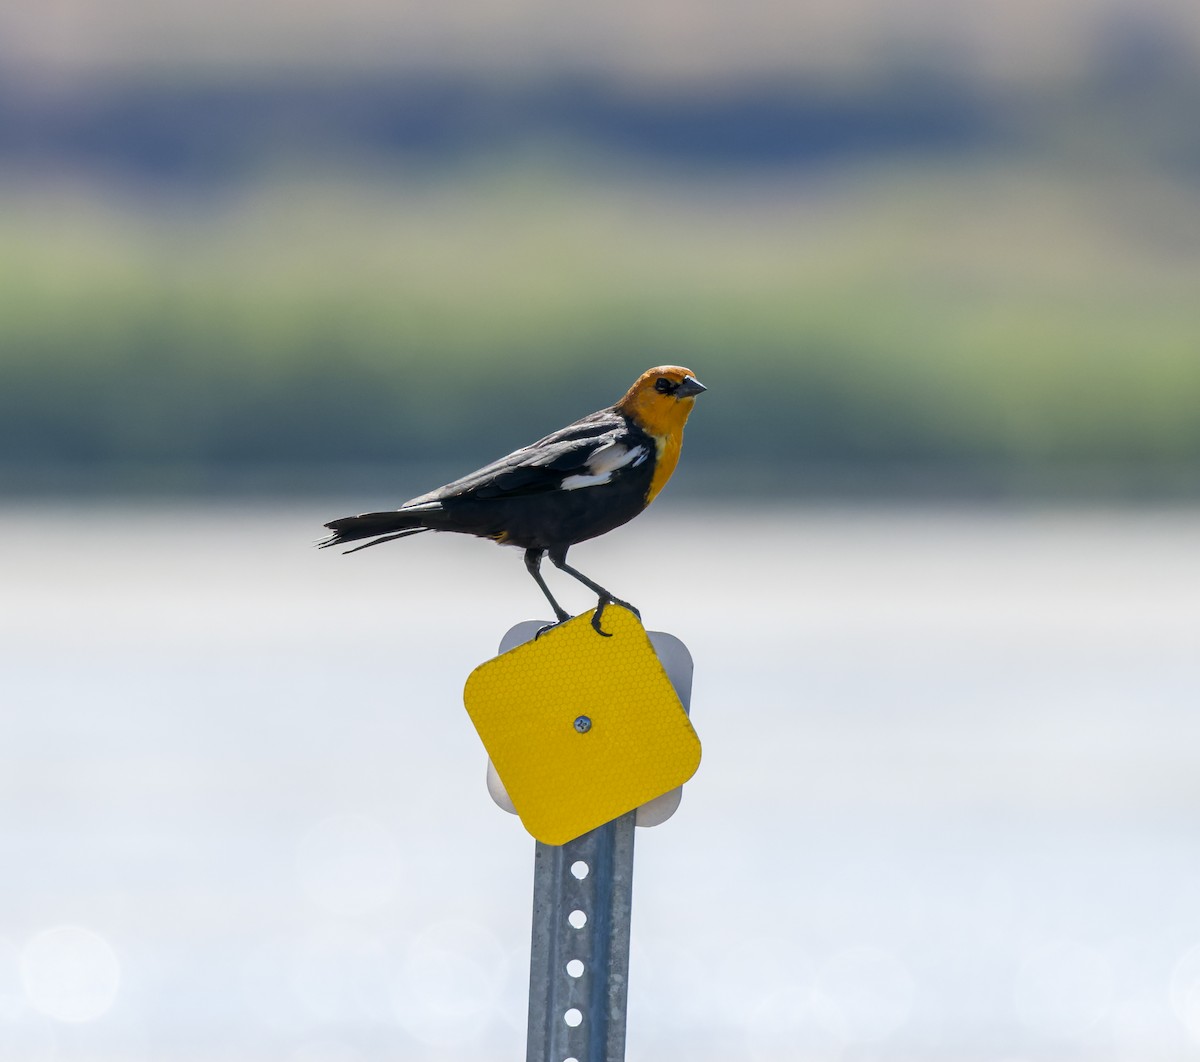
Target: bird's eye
[(664, 386)]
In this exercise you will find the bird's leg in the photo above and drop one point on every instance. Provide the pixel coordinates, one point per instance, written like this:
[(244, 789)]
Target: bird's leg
[(533, 562), (558, 557)]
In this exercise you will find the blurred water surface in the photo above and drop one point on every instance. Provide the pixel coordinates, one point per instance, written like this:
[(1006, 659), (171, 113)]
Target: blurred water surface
[(947, 807)]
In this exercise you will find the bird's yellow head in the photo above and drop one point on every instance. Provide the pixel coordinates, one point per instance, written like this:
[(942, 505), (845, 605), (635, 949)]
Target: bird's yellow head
[(659, 403), (661, 399)]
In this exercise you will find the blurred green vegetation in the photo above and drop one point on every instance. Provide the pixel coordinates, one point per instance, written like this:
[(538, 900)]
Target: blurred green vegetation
[(963, 319), (920, 243)]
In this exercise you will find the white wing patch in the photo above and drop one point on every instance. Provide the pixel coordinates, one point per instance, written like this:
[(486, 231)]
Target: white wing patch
[(604, 462)]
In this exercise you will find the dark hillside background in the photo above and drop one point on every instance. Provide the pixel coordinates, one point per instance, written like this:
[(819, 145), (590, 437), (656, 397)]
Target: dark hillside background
[(908, 248)]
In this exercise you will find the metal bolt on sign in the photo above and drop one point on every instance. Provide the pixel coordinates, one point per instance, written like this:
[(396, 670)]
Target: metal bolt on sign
[(583, 884)]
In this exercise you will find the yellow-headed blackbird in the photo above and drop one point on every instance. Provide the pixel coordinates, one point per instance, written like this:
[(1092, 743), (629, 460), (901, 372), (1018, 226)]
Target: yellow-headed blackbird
[(581, 481)]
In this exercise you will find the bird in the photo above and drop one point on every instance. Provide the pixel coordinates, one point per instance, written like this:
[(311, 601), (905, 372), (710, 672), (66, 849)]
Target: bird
[(575, 484)]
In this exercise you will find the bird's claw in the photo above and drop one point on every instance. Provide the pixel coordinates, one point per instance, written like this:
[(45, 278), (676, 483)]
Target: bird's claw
[(596, 623), (550, 626), (601, 605)]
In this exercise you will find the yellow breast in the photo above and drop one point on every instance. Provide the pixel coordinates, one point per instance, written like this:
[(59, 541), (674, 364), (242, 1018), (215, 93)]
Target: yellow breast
[(668, 447)]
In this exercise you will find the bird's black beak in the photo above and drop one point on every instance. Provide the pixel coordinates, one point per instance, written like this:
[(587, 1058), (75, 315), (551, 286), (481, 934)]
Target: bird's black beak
[(689, 387)]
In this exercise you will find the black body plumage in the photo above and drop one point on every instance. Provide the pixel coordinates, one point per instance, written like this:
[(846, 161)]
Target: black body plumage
[(550, 494)]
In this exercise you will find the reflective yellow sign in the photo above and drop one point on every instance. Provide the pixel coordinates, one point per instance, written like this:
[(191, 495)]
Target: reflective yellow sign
[(580, 728)]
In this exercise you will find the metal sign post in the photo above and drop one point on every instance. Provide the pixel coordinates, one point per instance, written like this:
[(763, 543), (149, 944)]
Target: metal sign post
[(583, 890), (579, 961)]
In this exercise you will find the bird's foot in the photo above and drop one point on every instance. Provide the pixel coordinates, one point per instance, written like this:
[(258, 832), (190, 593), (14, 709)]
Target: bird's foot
[(562, 618), (601, 605), (598, 615)]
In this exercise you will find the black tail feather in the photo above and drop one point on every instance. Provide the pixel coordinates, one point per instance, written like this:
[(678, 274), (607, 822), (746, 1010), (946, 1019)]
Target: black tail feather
[(394, 524), (386, 538)]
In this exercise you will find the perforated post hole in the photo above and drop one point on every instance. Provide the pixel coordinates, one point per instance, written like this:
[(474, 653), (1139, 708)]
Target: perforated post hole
[(580, 966)]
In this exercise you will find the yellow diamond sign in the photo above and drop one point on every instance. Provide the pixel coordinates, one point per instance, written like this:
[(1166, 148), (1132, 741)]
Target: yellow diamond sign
[(581, 728)]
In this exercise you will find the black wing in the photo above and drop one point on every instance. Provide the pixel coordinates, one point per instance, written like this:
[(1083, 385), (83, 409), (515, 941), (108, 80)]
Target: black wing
[(544, 465)]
